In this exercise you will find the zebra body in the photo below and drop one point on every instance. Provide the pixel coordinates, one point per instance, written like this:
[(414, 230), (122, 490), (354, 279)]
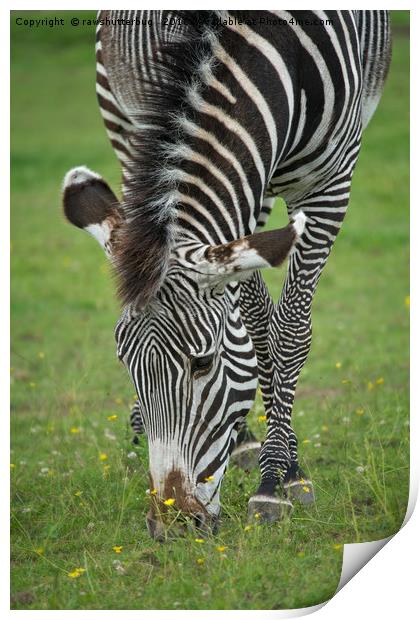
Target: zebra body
[(212, 115)]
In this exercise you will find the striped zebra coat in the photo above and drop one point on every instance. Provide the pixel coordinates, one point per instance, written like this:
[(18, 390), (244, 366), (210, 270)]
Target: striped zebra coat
[(212, 115)]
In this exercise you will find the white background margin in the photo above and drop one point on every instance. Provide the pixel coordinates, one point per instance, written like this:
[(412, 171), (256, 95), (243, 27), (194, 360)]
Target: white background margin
[(388, 586)]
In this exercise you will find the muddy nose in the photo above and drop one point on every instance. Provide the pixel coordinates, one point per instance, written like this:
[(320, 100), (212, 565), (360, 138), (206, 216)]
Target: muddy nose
[(174, 508), (198, 522), (155, 528), (161, 531)]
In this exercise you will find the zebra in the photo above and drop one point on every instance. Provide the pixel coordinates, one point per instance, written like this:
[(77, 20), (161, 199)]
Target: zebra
[(212, 115)]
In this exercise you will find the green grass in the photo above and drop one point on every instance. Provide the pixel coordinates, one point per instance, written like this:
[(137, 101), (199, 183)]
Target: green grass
[(68, 509)]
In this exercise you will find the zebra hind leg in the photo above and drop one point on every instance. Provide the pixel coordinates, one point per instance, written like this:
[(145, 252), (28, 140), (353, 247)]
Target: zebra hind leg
[(136, 422)]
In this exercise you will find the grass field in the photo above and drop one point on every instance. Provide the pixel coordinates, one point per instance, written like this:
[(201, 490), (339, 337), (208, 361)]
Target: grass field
[(78, 485)]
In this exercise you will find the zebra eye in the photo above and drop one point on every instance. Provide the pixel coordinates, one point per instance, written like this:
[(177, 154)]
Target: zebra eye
[(201, 364)]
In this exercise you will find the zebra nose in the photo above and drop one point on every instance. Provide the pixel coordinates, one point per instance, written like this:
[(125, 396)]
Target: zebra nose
[(199, 519), (205, 524), (155, 528)]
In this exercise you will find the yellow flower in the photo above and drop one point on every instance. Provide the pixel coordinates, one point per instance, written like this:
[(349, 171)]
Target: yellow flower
[(112, 418), (40, 550), (73, 574), (12, 465), (337, 547), (76, 573), (407, 301), (306, 441), (75, 430), (199, 540), (247, 528), (78, 493), (370, 386), (117, 548), (169, 502), (338, 364), (380, 381), (257, 515), (306, 489), (221, 548), (118, 401), (262, 418), (200, 560), (360, 411), (103, 456), (41, 355), (209, 478), (153, 491)]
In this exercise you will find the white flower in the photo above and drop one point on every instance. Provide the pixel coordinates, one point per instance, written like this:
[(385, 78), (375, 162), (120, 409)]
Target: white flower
[(118, 567), (131, 455)]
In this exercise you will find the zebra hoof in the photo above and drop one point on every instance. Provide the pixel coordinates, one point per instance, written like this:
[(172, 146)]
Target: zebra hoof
[(268, 509), (245, 456), (300, 490)]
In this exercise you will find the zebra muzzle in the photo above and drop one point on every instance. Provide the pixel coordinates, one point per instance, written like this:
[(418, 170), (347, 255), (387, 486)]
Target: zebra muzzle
[(168, 526)]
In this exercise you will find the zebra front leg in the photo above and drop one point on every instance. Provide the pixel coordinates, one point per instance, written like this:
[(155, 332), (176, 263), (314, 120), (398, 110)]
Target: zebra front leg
[(296, 483), (247, 450), (136, 422), (271, 500), (256, 310), (289, 344)]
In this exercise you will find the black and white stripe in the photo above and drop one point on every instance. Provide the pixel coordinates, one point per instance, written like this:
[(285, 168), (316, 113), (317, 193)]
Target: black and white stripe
[(211, 117)]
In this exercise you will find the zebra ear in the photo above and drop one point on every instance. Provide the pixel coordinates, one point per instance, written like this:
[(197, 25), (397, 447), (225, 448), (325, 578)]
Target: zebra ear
[(89, 203), (237, 259)]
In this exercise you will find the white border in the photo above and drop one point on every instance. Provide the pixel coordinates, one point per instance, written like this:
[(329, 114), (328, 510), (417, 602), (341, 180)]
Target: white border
[(388, 584)]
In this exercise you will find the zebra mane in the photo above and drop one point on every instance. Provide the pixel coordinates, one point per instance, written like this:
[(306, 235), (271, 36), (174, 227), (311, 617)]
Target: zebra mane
[(150, 197)]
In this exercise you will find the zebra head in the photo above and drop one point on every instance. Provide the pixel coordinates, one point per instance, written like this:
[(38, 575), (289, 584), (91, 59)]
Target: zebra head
[(187, 351)]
